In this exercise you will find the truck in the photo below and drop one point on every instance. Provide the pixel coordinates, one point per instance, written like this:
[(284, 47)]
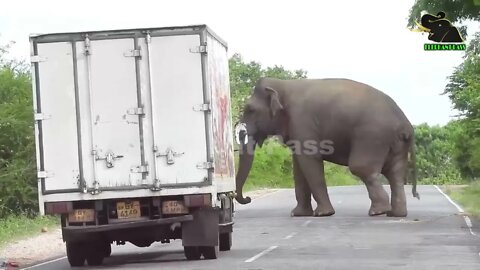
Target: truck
[(134, 141)]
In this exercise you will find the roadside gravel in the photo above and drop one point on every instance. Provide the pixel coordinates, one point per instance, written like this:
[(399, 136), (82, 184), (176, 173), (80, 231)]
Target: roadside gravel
[(50, 245)]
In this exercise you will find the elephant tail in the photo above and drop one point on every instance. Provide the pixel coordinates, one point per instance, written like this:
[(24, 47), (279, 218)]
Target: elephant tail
[(413, 162)]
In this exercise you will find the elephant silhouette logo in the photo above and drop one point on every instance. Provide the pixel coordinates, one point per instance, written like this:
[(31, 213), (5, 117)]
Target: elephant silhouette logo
[(439, 28)]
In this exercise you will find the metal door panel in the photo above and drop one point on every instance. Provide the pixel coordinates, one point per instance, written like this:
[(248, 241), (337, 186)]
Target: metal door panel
[(59, 145), (113, 101), (177, 87)]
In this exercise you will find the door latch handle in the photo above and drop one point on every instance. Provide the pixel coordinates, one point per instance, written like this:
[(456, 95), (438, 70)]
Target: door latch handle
[(170, 154), (109, 158)]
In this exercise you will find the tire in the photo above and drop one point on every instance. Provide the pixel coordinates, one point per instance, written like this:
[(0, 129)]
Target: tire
[(225, 241), (95, 259), (108, 249), (76, 254), (192, 253), (96, 253), (209, 253)]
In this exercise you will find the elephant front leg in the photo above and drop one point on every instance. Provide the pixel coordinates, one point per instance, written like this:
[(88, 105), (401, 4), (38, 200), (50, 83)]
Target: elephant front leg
[(303, 194), (313, 172)]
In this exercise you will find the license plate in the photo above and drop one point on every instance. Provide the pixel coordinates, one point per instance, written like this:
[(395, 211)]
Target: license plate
[(174, 207), (128, 209), (82, 215)]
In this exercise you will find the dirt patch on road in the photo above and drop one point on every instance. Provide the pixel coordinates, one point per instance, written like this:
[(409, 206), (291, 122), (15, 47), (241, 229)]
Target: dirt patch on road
[(34, 249)]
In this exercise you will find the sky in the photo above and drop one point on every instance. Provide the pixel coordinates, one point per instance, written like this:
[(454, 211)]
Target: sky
[(364, 40)]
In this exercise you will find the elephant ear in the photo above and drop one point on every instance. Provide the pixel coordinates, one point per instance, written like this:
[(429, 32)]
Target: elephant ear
[(275, 105)]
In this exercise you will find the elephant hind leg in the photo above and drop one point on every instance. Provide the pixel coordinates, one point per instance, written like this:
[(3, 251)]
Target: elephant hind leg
[(366, 162), (303, 194), (396, 172)]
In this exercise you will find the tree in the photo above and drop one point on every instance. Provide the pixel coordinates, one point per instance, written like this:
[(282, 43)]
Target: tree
[(457, 11), (463, 87), (18, 192), (243, 77)]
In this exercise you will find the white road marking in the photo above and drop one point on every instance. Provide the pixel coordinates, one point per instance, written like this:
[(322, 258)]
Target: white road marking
[(460, 210), (261, 254), (306, 223), (44, 263), (290, 236)]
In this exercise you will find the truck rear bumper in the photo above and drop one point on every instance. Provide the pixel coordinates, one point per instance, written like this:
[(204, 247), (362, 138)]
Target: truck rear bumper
[(72, 230)]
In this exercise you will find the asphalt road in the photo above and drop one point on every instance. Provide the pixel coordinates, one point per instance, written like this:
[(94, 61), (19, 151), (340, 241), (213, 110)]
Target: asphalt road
[(433, 236)]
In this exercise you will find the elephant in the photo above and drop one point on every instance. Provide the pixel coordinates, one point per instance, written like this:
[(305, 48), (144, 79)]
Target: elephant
[(338, 120), (439, 28)]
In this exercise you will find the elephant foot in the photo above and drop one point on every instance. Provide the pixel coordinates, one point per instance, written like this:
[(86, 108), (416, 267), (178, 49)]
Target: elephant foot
[(397, 213), (379, 209), (302, 211), (323, 211)]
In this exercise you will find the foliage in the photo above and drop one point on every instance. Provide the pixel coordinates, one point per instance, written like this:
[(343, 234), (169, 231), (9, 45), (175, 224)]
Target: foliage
[(463, 87), (463, 90), (434, 154), (19, 226), (468, 197), (17, 151), (456, 11), (243, 77)]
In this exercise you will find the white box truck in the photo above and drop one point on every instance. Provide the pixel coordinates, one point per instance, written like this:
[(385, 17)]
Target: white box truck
[(134, 139)]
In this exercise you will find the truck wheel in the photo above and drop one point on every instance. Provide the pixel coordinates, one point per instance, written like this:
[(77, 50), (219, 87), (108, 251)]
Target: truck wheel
[(95, 259), (192, 253), (225, 241), (209, 253), (108, 249), (96, 252), (75, 254)]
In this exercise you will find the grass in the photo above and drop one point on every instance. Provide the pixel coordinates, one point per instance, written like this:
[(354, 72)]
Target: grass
[(272, 168), (468, 197), (20, 226)]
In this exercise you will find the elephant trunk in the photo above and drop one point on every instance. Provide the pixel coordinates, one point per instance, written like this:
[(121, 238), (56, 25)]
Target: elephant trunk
[(244, 166)]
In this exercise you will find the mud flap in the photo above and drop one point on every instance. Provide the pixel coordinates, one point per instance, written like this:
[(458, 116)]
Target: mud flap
[(203, 229)]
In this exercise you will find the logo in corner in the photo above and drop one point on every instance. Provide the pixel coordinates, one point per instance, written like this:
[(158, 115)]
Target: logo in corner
[(441, 31)]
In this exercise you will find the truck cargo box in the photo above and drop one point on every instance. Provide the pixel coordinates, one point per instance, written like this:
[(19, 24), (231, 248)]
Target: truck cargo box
[(132, 113)]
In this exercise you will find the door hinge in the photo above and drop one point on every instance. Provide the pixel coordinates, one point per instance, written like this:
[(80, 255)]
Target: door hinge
[(202, 107), (41, 116), (96, 188), (199, 49), (44, 174), (156, 185), (37, 59), (136, 111), (205, 165), (132, 53), (139, 169)]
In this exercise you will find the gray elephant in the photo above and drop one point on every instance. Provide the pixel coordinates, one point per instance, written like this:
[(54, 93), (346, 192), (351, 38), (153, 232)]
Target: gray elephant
[(337, 120)]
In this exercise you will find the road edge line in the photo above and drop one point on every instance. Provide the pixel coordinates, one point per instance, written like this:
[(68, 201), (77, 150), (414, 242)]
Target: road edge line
[(467, 219), (261, 254), (44, 263)]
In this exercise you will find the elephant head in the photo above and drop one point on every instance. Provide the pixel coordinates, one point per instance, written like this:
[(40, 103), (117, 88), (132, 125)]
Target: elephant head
[(263, 116), (439, 28)]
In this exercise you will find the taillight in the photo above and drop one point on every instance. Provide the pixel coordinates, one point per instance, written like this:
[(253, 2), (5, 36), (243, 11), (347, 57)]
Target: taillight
[(58, 207), (197, 200)]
